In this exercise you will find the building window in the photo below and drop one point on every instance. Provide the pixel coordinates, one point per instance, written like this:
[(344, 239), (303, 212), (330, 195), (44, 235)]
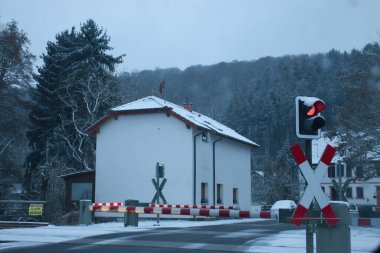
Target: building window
[(359, 193), (348, 172), (331, 171), (235, 195), (378, 171), (359, 172), (219, 193), (349, 193), (341, 169), (204, 191), (323, 188), (81, 191)]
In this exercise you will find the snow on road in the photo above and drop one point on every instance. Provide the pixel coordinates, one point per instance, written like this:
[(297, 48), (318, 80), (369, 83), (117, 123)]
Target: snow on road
[(362, 239)]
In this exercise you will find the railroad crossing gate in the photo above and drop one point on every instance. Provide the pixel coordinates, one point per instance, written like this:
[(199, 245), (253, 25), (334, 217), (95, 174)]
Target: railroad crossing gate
[(313, 189)]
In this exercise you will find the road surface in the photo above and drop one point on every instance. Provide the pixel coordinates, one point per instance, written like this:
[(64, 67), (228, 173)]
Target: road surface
[(220, 238)]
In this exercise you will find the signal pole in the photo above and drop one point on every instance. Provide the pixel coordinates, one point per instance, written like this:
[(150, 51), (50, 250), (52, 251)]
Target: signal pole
[(340, 193), (309, 224), (308, 125)]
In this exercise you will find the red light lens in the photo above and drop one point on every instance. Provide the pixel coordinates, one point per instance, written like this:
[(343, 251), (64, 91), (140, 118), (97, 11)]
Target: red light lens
[(311, 112), (319, 106)]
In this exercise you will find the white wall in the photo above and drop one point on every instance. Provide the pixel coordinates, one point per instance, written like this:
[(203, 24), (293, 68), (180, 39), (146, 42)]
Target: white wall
[(232, 170), (369, 192), (129, 147), (126, 156)]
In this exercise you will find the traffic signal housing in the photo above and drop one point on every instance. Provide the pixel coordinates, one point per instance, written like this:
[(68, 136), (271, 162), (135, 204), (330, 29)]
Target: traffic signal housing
[(308, 117)]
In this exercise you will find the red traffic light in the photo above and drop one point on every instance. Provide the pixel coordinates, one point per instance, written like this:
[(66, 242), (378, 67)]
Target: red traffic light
[(308, 117), (317, 107)]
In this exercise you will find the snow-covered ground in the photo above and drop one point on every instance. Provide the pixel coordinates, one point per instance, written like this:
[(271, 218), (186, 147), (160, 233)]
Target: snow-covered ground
[(362, 239)]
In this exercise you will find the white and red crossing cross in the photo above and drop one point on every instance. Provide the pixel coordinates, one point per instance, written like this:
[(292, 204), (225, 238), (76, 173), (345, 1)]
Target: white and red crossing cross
[(313, 189)]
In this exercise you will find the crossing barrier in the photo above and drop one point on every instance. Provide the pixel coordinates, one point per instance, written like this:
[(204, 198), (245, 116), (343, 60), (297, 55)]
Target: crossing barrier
[(366, 222), (170, 205), (108, 204), (195, 206), (133, 208), (368, 216), (184, 211)]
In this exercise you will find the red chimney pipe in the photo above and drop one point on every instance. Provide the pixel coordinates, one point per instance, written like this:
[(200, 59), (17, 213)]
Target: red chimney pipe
[(188, 106)]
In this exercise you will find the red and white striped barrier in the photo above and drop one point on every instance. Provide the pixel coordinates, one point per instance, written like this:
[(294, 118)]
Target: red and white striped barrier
[(108, 204), (366, 222), (195, 206), (184, 211)]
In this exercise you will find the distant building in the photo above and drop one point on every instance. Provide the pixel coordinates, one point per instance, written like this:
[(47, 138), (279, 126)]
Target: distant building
[(362, 191), (205, 161)]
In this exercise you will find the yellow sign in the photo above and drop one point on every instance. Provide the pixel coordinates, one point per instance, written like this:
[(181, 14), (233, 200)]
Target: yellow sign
[(35, 209)]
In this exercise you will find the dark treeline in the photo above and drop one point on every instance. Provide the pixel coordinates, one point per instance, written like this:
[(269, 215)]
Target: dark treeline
[(44, 115)]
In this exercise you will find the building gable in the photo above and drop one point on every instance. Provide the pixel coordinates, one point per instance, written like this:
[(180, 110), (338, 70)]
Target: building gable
[(192, 119)]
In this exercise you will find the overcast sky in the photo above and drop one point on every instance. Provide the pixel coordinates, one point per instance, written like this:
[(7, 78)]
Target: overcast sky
[(180, 33)]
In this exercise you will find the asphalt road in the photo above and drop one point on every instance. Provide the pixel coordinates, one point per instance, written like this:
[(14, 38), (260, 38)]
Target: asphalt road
[(220, 238)]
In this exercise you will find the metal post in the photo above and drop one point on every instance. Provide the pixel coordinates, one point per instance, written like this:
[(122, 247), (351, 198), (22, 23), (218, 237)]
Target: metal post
[(131, 219), (309, 225), (340, 194), (158, 196), (308, 150), (213, 169), (84, 212), (195, 168)]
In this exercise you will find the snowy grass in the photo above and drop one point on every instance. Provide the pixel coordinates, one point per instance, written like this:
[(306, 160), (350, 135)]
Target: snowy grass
[(364, 240)]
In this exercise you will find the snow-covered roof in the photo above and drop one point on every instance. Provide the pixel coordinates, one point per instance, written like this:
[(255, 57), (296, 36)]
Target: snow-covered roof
[(197, 119), (150, 102)]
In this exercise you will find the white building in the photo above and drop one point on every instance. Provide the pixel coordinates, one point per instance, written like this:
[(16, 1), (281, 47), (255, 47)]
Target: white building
[(205, 161), (361, 191)]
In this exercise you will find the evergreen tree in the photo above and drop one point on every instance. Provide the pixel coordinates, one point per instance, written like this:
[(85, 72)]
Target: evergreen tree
[(16, 64), (75, 86)]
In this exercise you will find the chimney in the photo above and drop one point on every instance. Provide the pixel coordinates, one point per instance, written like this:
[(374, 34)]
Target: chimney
[(187, 105)]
